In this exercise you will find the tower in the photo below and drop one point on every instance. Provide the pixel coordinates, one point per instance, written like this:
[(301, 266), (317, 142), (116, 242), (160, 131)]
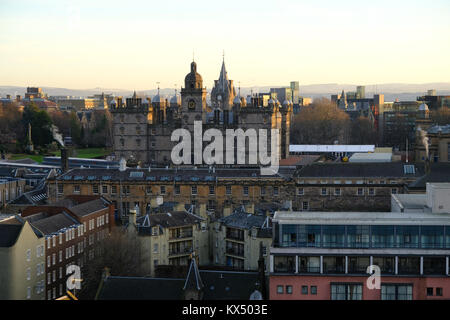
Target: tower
[(223, 93), (193, 98)]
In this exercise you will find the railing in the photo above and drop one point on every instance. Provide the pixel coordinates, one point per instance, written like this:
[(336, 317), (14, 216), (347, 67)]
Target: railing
[(180, 251), (181, 235), (235, 252)]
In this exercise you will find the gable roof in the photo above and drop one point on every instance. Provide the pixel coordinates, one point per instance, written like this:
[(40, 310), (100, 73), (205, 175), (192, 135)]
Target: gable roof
[(89, 207), (9, 233)]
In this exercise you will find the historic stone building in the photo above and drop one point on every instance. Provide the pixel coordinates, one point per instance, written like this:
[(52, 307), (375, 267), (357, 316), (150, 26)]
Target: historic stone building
[(142, 130)]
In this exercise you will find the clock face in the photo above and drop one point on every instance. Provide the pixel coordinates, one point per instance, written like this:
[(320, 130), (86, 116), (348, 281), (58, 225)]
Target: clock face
[(191, 104)]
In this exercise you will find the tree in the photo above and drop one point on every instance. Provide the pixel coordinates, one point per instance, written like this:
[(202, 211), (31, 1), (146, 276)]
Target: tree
[(11, 129), (320, 123), (120, 252), (441, 116), (41, 124), (363, 131), (75, 129)]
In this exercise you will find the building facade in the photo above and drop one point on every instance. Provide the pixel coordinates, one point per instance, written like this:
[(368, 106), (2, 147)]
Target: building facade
[(142, 130), (325, 256)]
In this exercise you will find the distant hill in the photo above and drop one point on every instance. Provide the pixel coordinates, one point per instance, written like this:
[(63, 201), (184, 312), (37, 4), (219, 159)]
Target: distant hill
[(392, 91)]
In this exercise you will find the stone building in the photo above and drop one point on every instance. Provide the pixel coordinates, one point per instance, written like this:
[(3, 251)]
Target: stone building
[(215, 188), (142, 130), (22, 259), (170, 238), (239, 237), (438, 144)]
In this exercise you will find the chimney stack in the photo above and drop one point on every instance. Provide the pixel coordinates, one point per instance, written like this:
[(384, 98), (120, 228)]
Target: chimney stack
[(132, 217), (64, 160)]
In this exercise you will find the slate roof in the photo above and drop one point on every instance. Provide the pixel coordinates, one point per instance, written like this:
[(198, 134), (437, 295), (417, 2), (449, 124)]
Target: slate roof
[(168, 220), (171, 174), (243, 220), (89, 207), (53, 224), (440, 172), (9, 234), (436, 129), (218, 285), (357, 170), (7, 172)]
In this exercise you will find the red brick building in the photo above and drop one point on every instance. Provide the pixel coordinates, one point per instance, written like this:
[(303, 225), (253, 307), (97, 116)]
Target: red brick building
[(71, 227)]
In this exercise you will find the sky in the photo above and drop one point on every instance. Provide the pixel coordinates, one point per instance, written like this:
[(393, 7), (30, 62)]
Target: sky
[(135, 44)]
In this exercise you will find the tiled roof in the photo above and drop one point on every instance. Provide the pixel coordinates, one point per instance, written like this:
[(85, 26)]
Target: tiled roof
[(168, 220), (440, 172)]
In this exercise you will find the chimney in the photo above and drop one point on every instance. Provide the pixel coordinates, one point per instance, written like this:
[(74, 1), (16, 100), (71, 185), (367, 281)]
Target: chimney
[(226, 211), (122, 164), (18, 98), (427, 165), (64, 160), (132, 217)]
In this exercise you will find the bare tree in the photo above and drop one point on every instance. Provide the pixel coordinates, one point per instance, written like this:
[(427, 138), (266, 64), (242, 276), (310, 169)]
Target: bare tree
[(441, 116), (120, 252), (321, 123)]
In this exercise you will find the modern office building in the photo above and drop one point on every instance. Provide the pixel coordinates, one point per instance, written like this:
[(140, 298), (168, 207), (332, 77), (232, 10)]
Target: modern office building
[(321, 256)]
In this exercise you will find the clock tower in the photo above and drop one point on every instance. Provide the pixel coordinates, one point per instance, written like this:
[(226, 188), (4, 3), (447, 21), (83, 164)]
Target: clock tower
[(193, 99)]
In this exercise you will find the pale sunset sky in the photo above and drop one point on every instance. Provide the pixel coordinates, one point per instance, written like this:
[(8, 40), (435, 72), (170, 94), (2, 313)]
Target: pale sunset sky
[(135, 44)]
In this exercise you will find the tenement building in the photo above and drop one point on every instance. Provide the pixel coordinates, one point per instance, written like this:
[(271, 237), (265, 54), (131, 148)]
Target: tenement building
[(216, 188), (142, 129), (351, 186), (326, 255)]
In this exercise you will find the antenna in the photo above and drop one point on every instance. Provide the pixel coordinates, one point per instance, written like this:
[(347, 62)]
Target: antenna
[(158, 86)]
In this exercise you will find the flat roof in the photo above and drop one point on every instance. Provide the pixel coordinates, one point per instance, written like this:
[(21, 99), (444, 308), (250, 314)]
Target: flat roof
[(331, 148), (360, 218)]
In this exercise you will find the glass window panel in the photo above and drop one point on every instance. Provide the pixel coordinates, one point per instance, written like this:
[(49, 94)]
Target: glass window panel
[(333, 236), (309, 236), (289, 235), (358, 236), (432, 237), (382, 236), (407, 237)]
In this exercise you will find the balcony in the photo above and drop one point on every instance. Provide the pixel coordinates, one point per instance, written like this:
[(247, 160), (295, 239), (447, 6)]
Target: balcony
[(237, 236), (235, 252), (180, 235), (182, 251)]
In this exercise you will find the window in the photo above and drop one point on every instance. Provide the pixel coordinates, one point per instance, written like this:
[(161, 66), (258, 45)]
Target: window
[(28, 274), (60, 188), (275, 191), (163, 189), (228, 190), (396, 292), (371, 191), (337, 191), (177, 190), (263, 191), (333, 236), (289, 289), (155, 248), (394, 191), (358, 236), (28, 292), (194, 190), (439, 292), (280, 289), (113, 189), (314, 290), (104, 189), (346, 292), (305, 205), (300, 191), (76, 188), (304, 289), (245, 191), (28, 254), (324, 191), (360, 192), (212, 190), (430, 292)]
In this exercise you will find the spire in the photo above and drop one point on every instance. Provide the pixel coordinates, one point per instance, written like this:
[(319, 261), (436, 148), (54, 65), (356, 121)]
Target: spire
[(134, 94), (193, 280)]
